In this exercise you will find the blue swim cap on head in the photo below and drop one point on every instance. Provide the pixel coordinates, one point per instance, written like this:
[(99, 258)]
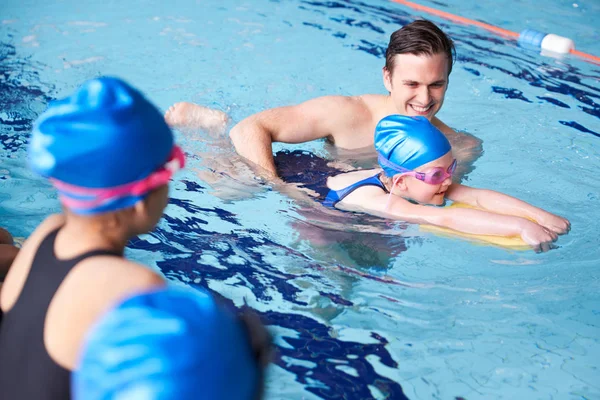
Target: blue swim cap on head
[(104, 135), (409, 142), (172, 344)]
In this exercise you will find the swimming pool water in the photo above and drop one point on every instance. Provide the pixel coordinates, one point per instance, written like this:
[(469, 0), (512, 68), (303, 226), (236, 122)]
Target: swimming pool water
[(360, 307)]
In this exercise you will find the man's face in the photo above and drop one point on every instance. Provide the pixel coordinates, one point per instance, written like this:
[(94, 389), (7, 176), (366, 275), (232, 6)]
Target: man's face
[(418, 83)]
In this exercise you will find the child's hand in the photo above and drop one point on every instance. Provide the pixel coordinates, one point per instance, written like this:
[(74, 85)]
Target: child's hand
[(554, 223), (538, 236)]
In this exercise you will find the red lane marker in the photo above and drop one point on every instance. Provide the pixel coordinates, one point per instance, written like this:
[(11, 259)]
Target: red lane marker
[(467, 21), (491, 28), (586, 56)]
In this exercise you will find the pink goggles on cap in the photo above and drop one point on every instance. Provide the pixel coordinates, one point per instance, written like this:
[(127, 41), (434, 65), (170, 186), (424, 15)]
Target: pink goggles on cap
[(79, 197), (433, 176)]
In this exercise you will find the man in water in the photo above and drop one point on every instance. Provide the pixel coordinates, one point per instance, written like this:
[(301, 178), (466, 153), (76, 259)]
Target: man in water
[(418, 63)]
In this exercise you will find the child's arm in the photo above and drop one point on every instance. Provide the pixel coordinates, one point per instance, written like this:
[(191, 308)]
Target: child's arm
[(504, 204), (478, 222)]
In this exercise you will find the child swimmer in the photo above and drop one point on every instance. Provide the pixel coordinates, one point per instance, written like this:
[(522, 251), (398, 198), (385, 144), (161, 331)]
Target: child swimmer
[(417, 167), (111, 155)]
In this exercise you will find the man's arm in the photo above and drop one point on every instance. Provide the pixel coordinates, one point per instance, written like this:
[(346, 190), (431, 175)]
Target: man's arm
[(313, 119)]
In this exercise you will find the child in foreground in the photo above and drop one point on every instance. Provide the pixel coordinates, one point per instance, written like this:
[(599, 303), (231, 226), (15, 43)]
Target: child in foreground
[(173, 344), (109, 153), (417, 167)]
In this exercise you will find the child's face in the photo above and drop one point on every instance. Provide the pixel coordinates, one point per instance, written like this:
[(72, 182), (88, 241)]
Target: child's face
[(153, 206), (157, 202), (426, 193)]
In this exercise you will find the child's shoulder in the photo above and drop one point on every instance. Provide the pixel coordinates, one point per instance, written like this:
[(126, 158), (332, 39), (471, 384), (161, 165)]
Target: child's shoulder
[(346, 179), (114, 267), (51, 223), (109, 278)]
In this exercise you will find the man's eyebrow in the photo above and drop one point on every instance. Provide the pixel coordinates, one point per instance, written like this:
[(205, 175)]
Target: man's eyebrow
[(438, 82)]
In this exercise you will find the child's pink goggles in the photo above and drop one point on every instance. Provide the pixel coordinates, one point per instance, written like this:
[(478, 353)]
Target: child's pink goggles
[(433, 176), (86, 198)]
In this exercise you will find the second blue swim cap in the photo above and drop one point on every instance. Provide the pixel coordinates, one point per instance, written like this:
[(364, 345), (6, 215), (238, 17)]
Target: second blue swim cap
[(171, 344), (104, 135), (409, 142)]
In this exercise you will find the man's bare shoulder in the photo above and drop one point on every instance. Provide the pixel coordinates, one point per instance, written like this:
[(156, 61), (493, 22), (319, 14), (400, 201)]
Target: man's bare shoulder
[(379, 106), (346, 105), (351, 122), (375, 101), (320, 114), (435, 121)]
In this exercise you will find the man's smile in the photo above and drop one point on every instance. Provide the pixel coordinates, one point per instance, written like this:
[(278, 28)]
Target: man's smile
[(420, 109)]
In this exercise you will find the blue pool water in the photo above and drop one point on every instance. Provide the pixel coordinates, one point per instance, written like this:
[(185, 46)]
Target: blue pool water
[(360, 308)]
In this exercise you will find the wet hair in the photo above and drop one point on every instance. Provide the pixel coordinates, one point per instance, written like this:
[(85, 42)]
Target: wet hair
[(421, 37)]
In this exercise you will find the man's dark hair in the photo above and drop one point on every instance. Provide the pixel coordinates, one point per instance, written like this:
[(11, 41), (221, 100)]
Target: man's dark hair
[(421, 37)]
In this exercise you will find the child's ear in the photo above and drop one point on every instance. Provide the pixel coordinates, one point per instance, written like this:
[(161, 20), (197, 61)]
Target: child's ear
[(141, 207), (400, 182), (112, 220)]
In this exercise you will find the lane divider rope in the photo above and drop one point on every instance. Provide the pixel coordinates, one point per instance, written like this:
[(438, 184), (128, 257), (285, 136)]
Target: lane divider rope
[(529, 37)]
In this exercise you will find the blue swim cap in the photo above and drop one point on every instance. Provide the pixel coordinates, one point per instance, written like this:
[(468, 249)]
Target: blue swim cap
[(170, 344), (409, 142), (104, 135)]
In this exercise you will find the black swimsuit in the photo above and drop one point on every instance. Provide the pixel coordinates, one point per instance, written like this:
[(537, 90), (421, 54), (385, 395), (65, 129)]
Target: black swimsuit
[(27, 372)]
